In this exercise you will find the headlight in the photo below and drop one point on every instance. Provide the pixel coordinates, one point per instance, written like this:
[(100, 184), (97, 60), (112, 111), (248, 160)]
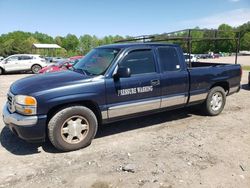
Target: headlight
[(25, 105)]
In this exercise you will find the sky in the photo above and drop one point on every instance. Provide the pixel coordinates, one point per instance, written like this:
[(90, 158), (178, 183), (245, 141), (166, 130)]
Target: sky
[(118, 17)]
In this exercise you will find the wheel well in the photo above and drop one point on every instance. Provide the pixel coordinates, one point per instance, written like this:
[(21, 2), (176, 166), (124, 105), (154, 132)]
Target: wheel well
[(89, 104), (2, 69), (36, 64), (224, 85)]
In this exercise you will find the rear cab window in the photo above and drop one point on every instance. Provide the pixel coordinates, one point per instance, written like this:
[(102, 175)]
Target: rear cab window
[(169, 59)]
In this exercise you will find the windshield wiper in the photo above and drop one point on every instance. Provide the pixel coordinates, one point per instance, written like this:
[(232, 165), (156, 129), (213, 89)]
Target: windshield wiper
[(80, 71)]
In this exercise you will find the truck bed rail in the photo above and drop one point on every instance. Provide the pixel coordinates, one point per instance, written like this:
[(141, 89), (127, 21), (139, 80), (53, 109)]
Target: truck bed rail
[(175, 36)]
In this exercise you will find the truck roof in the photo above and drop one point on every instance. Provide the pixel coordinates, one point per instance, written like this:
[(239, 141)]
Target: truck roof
[(128, 45)]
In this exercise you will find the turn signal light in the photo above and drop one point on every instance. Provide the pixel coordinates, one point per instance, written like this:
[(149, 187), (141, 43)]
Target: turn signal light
[(30, 101)]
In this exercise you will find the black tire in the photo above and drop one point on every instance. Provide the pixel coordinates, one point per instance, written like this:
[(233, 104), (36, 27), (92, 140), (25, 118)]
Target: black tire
[(57, 124), (209, 106), (36, 68)]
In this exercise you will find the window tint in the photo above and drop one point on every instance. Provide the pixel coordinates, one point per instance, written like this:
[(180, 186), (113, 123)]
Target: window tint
[(24, 58), (139, 62), (169, 59)]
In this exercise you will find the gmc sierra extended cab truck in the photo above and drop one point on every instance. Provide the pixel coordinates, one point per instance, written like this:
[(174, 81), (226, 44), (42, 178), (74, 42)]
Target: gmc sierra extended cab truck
[(112, 83)]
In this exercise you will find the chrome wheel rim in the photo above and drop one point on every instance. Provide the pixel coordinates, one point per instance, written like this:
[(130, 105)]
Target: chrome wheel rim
[(216, 102), (75, 129), (36, 69)]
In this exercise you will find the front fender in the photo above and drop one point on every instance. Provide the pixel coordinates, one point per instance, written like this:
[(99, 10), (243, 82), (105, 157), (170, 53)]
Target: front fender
[(44, 107)]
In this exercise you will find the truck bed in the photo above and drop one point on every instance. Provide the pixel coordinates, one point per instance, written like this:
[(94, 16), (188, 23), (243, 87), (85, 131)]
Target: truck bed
[(204, 75)]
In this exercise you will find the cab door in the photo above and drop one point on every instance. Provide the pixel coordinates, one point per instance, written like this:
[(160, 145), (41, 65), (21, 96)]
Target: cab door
[(174, 77), (138, 93)]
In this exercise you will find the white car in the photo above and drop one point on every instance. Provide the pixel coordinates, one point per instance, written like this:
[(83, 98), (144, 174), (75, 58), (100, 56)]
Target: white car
[(22, 62), (193, 57), (1, 58)]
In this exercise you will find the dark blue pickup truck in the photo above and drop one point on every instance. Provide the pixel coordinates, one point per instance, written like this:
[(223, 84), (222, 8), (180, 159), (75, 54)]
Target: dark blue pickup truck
[(112, 83)]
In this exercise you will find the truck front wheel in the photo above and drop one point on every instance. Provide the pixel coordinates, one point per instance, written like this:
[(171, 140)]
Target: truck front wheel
[(72, 128), (215, 101)]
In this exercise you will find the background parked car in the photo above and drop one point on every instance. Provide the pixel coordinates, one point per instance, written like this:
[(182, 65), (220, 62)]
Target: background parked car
[(192, 57), (76, 58), (61, 65), (54, 59), (22, 62), (204, 56), (216, 56)]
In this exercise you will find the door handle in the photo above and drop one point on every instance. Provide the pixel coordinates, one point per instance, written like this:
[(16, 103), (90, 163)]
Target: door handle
[(155, 82)]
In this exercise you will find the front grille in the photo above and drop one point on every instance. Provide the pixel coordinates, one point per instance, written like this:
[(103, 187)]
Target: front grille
[(10, 102), (9, 99)]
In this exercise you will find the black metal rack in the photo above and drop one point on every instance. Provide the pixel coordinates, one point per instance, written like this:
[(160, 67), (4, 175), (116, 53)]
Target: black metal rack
[(188, 39)]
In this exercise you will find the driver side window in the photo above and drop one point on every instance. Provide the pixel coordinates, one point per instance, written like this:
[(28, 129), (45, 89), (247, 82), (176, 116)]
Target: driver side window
[(139, 62)]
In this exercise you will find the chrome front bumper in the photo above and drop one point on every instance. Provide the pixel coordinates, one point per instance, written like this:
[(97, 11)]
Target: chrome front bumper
[(17, 119)]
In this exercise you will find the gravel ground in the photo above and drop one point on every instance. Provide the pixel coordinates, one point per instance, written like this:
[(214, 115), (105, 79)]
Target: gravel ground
[(180, 148)]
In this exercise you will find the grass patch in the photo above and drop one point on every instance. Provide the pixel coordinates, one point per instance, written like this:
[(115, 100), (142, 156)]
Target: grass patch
[(246, 67)]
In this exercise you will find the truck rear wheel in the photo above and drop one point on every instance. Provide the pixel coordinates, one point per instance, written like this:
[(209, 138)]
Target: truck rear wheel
[(215, 101), (72, 128)]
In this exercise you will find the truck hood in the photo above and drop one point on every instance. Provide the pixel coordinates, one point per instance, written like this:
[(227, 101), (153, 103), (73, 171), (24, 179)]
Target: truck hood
[(43, 82)]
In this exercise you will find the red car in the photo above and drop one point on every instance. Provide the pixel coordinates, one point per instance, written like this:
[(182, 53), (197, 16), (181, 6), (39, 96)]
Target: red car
[(61, 65)]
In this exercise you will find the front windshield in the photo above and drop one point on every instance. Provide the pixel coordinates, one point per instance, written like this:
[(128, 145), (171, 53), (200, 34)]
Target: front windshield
[(97, 61)]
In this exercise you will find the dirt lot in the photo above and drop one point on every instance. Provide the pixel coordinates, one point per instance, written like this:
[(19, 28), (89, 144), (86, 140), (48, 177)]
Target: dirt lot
[(243, 60), (181, 148)]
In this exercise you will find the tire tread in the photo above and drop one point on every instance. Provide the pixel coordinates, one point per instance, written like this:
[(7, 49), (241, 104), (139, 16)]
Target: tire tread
[(58, 115), (205, 105)]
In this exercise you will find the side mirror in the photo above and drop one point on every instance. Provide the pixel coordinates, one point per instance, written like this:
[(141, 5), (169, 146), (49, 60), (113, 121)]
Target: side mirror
[(123, 72)]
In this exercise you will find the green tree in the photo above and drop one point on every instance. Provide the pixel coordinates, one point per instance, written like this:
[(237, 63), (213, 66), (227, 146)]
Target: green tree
[(85, 43), (59, 40), (244, 28), (43, 38), (13, 43), (6, 48), (226, 31), (245, 41), (62, 52), (28, 44), (70, 42)]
